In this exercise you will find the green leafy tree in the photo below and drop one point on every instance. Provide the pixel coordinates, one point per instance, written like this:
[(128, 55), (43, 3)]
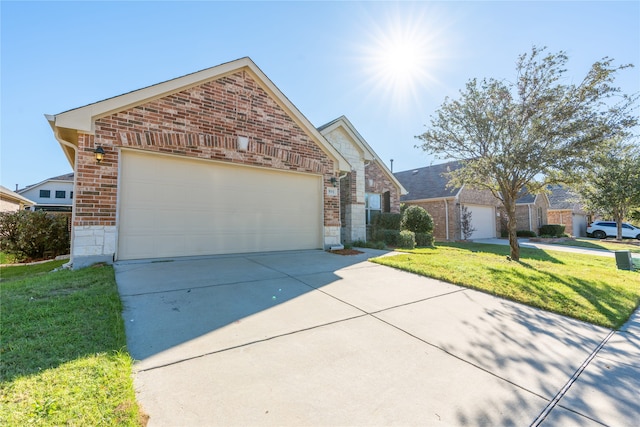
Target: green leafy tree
[(611, 186), (507, 134)]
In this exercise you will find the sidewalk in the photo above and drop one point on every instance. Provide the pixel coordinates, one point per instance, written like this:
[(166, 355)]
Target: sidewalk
[(525, 243)]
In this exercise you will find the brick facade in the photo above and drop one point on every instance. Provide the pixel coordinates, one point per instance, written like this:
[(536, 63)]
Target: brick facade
[(439, 209), (200, 122), (376, 181)]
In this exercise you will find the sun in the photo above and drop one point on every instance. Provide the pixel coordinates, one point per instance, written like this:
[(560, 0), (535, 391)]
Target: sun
[(401, 56)]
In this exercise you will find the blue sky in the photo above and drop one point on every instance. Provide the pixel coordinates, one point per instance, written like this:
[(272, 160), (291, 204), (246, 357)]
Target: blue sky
[(329, 58)]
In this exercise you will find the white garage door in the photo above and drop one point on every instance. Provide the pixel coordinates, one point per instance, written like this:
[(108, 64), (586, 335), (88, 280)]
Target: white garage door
[(171, 206), (483, 220)]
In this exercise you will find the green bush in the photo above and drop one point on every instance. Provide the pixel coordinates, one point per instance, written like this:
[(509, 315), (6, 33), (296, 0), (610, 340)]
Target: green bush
[(387, 221), (33, 235), (526, 233), (424, 240), (372, 244), (417, 219), (552, 230), (390, 237), (407, 239)]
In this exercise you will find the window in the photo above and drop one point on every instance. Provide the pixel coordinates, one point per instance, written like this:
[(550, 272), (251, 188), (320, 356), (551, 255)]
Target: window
[(372, 205), (61, 194), (71, 194), (45, 194)]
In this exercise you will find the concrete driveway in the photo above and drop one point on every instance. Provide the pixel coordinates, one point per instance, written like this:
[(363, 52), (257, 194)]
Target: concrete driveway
[(312, 338)]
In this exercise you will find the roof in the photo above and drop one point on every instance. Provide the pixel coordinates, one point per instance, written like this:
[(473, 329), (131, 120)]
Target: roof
[(68, 124), (368, 153), (66, 177), (562, 198), (9, 195), (428, 182)]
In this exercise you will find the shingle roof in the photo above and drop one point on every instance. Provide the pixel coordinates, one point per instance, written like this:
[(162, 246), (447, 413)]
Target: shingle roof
[(561, 197), (524, 197), (427, 182)]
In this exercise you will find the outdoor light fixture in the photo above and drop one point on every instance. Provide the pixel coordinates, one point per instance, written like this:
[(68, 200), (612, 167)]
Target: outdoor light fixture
[(99, 152), (334, 180)]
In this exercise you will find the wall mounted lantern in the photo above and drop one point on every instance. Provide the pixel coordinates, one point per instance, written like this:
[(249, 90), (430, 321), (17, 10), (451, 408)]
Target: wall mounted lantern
[(99, 152), (334, 181)]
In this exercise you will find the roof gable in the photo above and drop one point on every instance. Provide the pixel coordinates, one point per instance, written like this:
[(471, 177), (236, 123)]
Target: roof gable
[(67, 124), (428, 182), (342, 123), (68, 177)]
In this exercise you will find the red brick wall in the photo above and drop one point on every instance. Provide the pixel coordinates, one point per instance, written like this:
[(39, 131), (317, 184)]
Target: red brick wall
[(204, 122), (381, 184)]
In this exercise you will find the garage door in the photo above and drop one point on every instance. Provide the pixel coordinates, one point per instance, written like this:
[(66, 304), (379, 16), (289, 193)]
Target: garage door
[(483, 220), (171, 206)]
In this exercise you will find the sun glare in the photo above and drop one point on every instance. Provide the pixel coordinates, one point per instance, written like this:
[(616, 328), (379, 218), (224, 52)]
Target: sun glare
[(401, 57)]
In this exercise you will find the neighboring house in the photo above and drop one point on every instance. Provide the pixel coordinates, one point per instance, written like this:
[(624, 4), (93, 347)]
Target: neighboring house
[(565, 208), (52, 195), (427, 187), (369, 188), (11, 201), (218, 161), (531, 212)]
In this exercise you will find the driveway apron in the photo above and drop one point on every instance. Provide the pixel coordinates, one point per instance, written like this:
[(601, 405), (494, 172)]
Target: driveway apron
[(313, 338)]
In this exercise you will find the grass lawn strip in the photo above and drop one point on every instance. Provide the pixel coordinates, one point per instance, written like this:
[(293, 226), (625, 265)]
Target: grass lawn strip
[(64, 360), (584, 287)]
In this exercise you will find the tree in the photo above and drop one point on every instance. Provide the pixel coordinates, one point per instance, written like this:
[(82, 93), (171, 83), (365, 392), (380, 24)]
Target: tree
[(509, 134), (611, 186)]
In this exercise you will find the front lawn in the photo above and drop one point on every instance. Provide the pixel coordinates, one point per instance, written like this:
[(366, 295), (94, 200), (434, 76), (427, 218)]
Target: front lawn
[(585, 287), (64, 358)]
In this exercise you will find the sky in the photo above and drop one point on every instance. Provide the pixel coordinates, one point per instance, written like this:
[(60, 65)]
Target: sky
[(386, 66)]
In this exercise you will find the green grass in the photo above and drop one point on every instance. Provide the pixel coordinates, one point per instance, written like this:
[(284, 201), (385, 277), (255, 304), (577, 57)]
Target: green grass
[(607, 245), (15, 272), (63, 348), (585, 287)]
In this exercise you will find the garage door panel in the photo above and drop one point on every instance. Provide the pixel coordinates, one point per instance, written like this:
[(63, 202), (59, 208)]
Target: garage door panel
[(172, 206), (483, 220)]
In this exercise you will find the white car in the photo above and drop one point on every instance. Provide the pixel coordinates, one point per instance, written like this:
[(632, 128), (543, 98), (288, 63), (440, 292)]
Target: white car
[(603, 229)]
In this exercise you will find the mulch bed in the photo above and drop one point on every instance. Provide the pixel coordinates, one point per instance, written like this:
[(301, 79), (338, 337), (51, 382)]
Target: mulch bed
[(346, 252)]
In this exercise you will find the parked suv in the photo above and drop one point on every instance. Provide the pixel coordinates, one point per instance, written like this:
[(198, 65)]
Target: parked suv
[(602, 229)]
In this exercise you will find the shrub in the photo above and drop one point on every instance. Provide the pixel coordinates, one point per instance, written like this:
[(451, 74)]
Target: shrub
[(466, 226), (553, 230), (387, 221), (390, 237), (416, 219), (33, 235), (372, 244), (424, 239), (526, 233), (407, 239)]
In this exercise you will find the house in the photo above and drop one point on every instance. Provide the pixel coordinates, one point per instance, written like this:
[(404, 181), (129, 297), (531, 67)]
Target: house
[(565, 208), (52, 195), (218, 161), (531, 212), (369, 187), (427, 187), (11, 201)]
